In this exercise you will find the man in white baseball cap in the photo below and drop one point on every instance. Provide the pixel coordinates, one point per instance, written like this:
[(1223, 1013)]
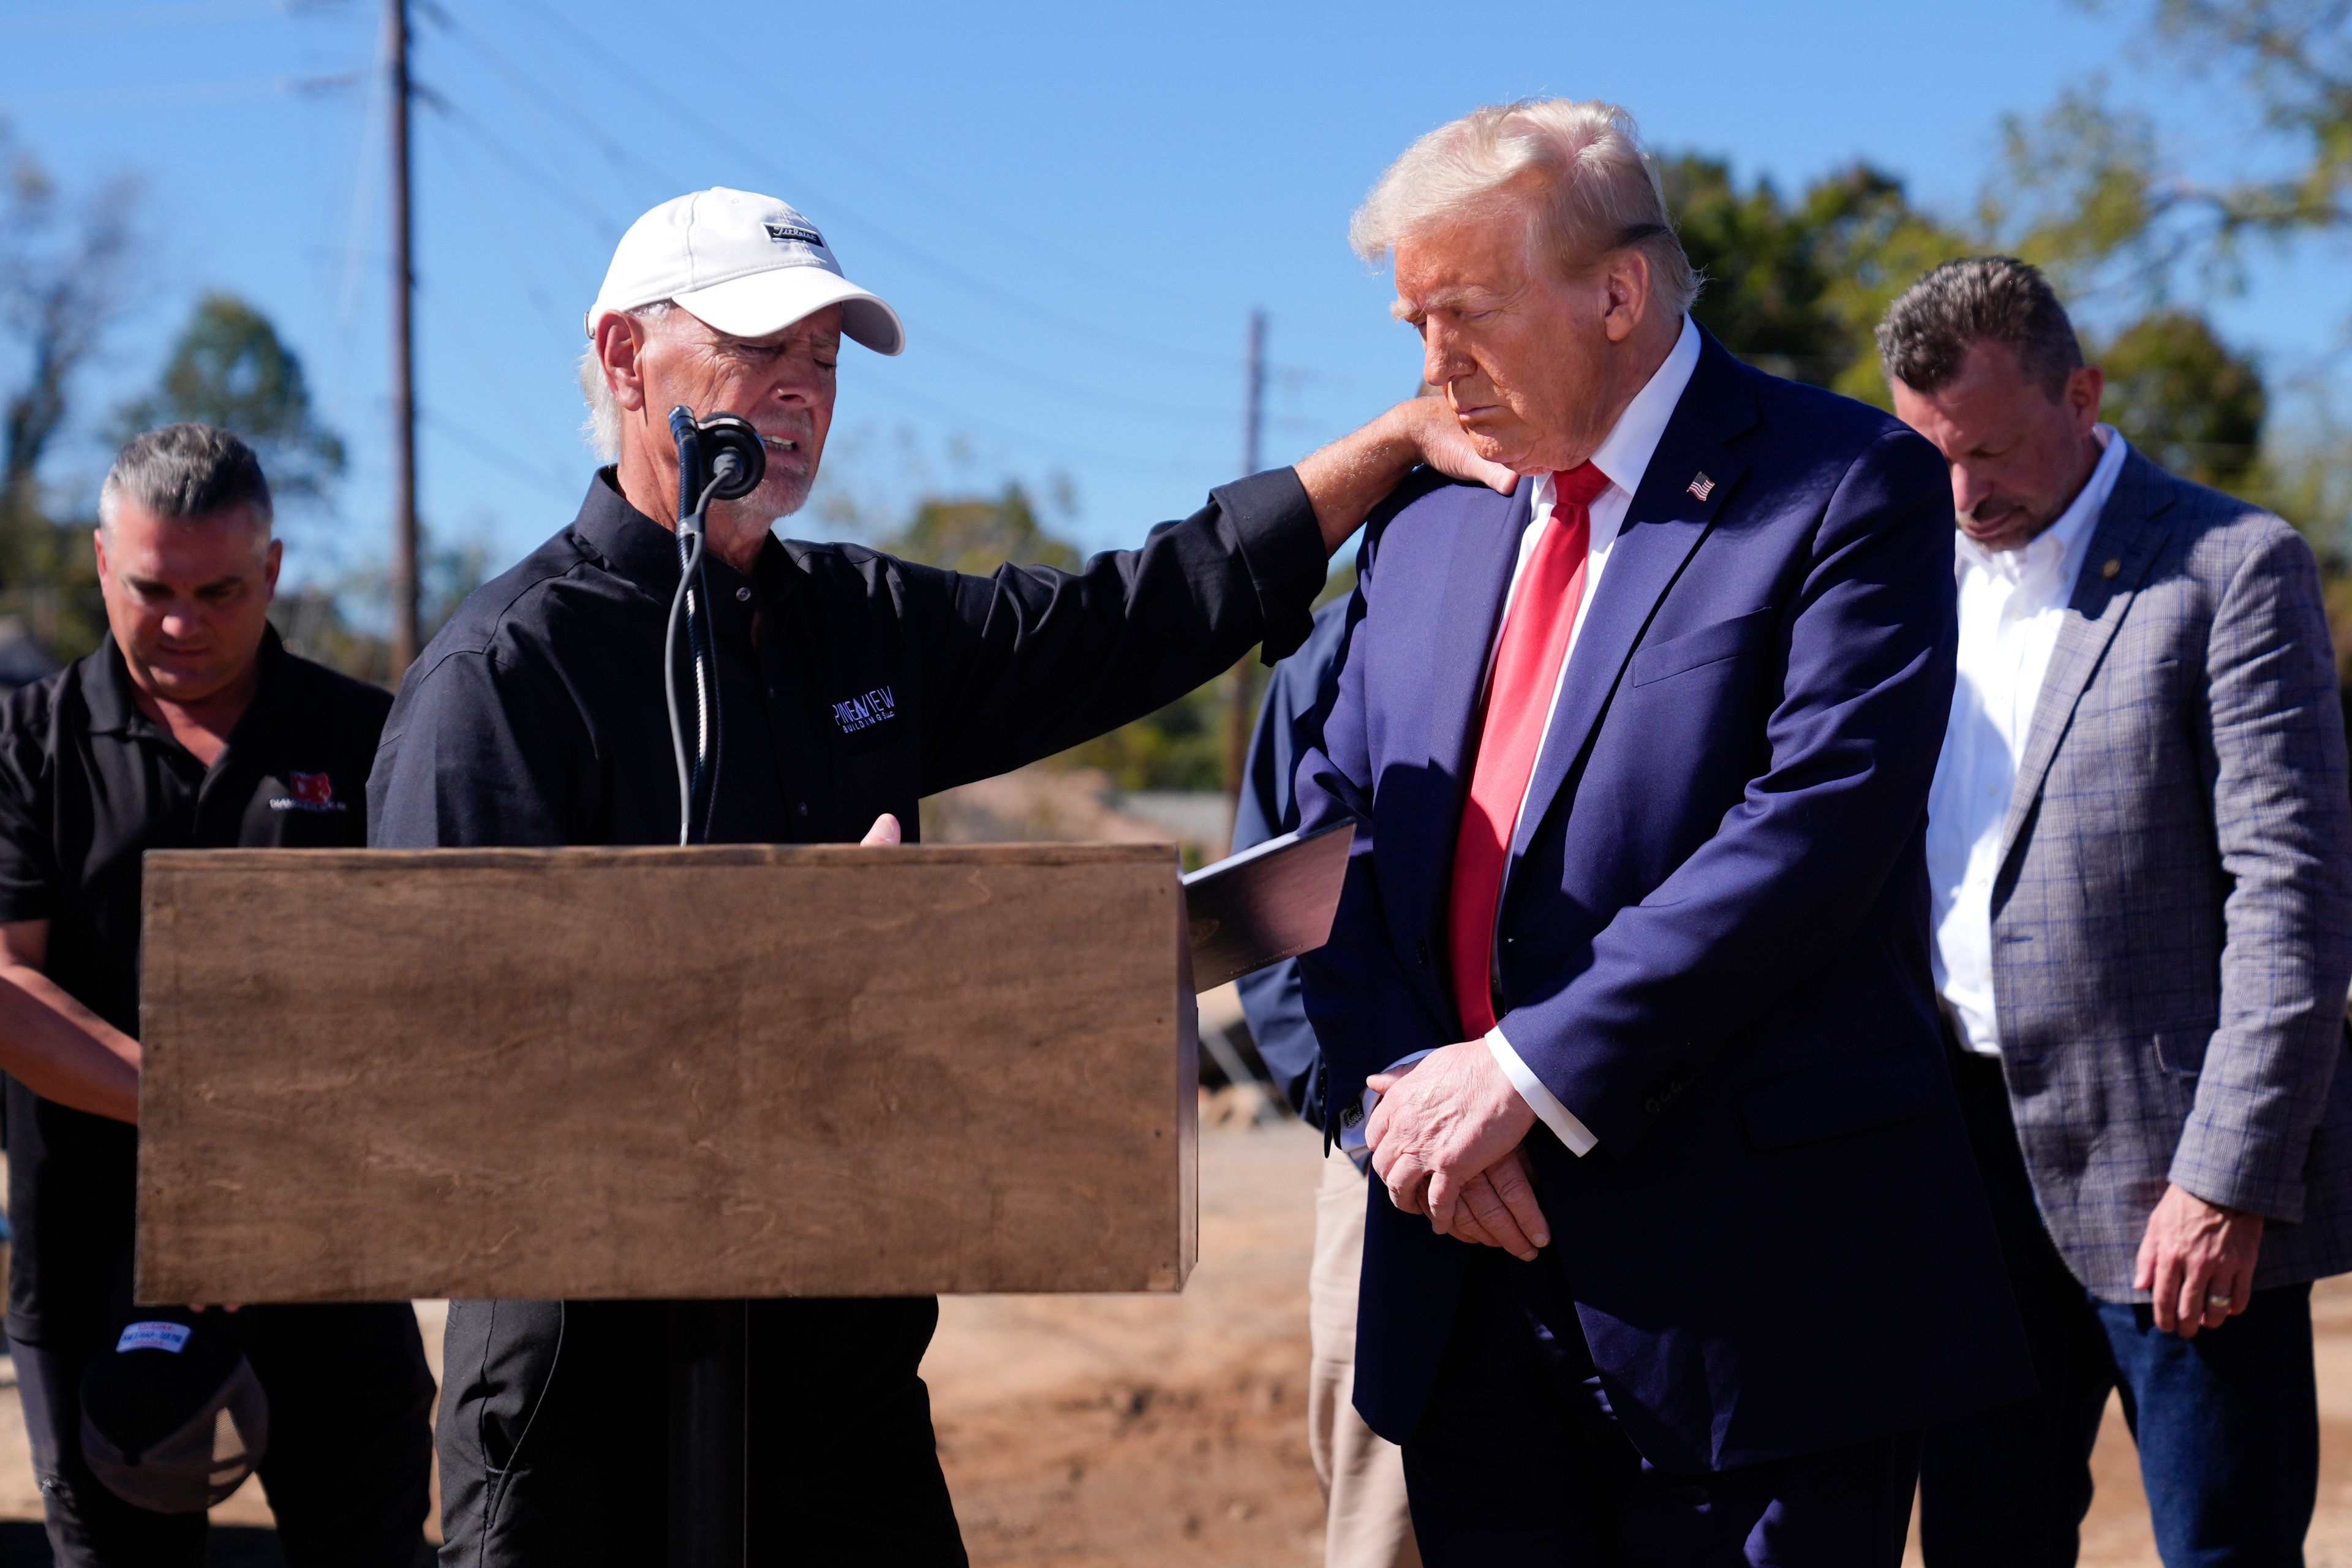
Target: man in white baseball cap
[(853, 684), (747, 265)]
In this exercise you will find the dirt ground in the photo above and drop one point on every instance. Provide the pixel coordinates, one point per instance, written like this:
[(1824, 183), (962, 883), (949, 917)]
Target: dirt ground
[(1169, 1432), (1128, 1432)]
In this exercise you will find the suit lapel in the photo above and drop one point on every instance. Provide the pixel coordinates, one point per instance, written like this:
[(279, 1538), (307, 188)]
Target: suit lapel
[(1478, 577), (2129, 536), (1662, 526)]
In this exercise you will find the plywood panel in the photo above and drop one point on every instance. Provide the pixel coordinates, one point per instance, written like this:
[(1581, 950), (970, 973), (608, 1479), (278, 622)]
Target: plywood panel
[(664, 1073)]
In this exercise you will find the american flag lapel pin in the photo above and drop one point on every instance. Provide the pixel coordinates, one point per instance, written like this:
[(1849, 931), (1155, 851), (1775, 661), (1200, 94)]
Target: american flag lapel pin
[(1702, 487)]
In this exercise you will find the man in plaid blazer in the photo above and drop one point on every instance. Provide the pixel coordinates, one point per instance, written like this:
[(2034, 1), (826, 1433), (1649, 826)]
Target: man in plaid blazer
[(2140, 854)]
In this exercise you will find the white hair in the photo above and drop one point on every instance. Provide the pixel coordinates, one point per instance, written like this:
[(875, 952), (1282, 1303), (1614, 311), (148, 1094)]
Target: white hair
[(602, 426), (1579, 168)]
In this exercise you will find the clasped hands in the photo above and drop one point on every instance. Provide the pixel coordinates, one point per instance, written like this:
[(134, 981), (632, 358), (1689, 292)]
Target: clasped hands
[(1447, 1140)]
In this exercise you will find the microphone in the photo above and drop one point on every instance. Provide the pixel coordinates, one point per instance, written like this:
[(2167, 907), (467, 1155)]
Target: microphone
[(718, 459)]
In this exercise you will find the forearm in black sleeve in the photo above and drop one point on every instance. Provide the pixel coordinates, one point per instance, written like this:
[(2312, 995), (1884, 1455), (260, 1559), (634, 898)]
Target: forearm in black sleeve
[(1031, 661)]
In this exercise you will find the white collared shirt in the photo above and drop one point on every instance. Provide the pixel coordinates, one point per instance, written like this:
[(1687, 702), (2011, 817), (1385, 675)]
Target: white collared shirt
[(1624, 455), (2011, 603)]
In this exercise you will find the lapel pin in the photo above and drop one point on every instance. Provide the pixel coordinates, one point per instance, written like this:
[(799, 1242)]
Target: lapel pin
[(2113, 568), (1702, 487)]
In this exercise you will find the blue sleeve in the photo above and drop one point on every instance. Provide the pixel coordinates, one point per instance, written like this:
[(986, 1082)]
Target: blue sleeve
[(1289, 722)]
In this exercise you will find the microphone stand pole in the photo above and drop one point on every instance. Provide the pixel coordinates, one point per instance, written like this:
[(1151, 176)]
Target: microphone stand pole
[(708, 1341)]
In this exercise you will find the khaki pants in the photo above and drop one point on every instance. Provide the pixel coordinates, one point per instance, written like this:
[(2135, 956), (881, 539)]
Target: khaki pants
[(1365, 1521)]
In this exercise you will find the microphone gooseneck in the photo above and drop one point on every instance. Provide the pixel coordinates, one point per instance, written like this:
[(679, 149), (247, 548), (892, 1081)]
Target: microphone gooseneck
[(718, 459)]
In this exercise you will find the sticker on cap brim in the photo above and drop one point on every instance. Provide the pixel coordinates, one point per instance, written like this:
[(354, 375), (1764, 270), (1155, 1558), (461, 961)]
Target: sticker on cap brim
[(782, 232), (172, 1337)]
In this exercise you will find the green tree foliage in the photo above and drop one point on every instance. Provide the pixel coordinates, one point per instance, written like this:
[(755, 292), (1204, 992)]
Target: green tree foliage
[(978, 534), (2092, 190), (2184, 398), (65, 278), (230, 368), (1797, 287)]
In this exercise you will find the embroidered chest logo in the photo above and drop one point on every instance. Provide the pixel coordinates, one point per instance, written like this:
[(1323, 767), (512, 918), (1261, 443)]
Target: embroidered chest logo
[(308, 792), (866, 710)]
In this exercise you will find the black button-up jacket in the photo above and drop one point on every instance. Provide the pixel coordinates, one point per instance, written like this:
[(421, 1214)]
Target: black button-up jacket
[(850, 683)]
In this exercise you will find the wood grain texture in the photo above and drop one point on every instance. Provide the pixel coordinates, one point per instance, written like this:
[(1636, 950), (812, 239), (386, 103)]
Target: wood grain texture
[(664, 1073)]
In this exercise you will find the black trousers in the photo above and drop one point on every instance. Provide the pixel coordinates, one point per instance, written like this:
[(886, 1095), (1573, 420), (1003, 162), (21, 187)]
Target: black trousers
[(554, 1427), (2227, 1424), (349, 1466)]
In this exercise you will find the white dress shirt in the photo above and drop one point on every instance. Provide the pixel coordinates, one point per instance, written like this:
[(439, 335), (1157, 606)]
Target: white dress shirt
[(1624, 455), (2012, 603)]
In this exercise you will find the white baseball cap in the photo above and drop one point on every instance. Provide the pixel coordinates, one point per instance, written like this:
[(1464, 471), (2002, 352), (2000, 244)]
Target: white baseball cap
[(748, 265)]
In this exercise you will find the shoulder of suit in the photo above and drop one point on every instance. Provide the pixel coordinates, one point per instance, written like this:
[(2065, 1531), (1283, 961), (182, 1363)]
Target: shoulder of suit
[(1829, 417), (1427, 491), (2210, 526)]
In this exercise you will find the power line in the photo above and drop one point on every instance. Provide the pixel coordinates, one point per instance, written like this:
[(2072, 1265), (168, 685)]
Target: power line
[(492, 218), (621, 156), (561, 193), (1030, 310), (188, 92), (1075, 451), (936, 196), (615, 151), (1075, 392), (499, 457), (134, 16)]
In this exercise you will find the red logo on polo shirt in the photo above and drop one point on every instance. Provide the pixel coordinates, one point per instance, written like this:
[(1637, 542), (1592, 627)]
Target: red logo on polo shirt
[(308, 792)]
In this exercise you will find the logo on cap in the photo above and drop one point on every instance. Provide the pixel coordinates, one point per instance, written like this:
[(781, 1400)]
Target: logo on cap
[(172, 1337), (785, 233)]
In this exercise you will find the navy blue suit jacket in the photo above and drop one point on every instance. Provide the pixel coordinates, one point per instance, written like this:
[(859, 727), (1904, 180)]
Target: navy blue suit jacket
[(1713, 937), (1289, 723)]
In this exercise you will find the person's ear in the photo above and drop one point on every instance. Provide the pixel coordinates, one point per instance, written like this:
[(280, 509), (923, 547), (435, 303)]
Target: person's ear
[(98, 544), (272, 559), (1625, 293), (2085, 388), (620, 350)]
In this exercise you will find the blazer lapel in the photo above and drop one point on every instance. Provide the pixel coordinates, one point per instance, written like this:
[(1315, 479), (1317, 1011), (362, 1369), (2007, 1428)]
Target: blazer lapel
[(1662, 526), (1477, 578), (2128, 537)]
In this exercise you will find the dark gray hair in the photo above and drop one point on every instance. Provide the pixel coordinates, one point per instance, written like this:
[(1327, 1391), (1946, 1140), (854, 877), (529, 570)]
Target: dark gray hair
[(1929, 332), (185, 471)]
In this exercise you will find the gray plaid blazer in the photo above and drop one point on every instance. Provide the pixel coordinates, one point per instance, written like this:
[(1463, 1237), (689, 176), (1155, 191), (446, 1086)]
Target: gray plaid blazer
[(2172, 917)]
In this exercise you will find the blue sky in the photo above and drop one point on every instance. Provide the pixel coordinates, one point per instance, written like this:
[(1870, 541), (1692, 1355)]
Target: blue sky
[(1074, 207)]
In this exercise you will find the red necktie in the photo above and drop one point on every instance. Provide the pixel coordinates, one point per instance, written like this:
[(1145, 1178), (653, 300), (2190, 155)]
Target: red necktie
[(1518, 703)]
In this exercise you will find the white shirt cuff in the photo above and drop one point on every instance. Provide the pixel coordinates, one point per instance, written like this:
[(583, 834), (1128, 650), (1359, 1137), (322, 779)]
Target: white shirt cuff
[(1352, 1120), (1541, 1100)]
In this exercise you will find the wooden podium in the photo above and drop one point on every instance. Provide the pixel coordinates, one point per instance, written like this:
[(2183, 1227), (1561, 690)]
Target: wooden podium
[(712, 1072)]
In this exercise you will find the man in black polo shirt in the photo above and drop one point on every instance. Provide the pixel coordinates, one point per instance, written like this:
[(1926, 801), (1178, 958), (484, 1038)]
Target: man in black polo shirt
[(851, 685), (191, 727)]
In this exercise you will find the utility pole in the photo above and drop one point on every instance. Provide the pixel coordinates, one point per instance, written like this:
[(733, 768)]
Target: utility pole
[(403, 355), (1244, 711)]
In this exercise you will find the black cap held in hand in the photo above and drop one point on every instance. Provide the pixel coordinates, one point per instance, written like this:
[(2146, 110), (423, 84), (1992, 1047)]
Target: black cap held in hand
[(173, 1417)]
